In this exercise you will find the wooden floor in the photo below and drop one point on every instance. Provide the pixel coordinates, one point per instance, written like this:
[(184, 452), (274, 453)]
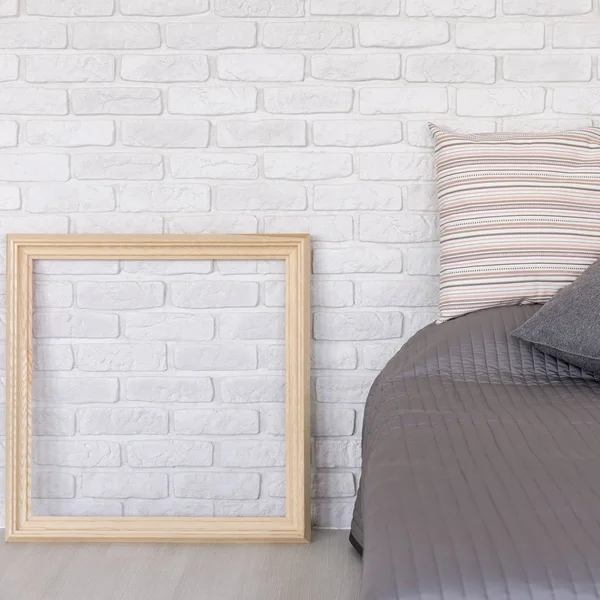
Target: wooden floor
[(327, 569)]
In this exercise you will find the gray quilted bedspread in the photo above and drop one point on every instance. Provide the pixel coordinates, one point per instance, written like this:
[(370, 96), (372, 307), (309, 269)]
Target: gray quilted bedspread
[(481, 469)]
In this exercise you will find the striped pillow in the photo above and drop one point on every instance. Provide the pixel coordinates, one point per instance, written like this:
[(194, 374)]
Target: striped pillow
[(519, 215)]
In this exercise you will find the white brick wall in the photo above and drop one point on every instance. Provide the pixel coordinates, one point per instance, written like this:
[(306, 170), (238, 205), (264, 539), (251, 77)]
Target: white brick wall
[(245, 116)]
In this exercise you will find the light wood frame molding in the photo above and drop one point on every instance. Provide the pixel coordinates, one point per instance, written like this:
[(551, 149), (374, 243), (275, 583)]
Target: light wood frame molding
[(22, 250)]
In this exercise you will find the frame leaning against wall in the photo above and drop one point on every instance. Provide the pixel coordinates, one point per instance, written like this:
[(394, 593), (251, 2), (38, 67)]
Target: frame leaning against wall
[(22, 250)]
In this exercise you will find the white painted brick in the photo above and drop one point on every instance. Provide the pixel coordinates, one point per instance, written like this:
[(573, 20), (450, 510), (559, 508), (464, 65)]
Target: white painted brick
[(403, 228), (377, 166), (165, 133), (236, 267), (376, 356), (213, 165), (454, 68), (258, 8), (423, 260), (355, 7), (421, 197), (78, 508), (579, 100), (576, 35), (52, 485), (389, 101), (34, 167), (70, 453), (120, 295), (163, 8), (328, 421), (33, 101), (499, 102), (417, 320), (33, 35), (122, 421), (361, 196), (9, 8), (121, 165), (316, 35), (10, 198), (332, 485), (295, 101), (219, 421), (35, 224), (419, 135), (71, 8), (457, 8), (332, 514), (211, 36), (169, 453), (67, 68), (357, 326), (355, 67), (403, 34), (274, 424), (168, 508), (213, 224), (252, 326), (124, 485), (261, 67), (169, 389), (165, 198), (116, 223), (115, 36), (55, 294), (357, 259), (261, 196), (9, 67), (75, 390), (213, 357), (218, 486), (212, 101), (75, 325), (71, 133), (121, 357), (326, 355), (262, 508), (553, 67), (167, 267), (307, 165), (500, 36), (356, 133), (9, 133), (66, 198), (547, 7), (52, 421), (252, 453), (214, 294), (544, 125), (168, 326), (249, 390), (52, 357), (328, 229), (343, 389), (271, 132), (337, 453), (164, 68), (421, 292), (116, 101)]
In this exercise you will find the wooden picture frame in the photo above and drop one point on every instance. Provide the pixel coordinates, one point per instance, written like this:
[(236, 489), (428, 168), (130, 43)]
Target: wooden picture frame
[(22, 250)]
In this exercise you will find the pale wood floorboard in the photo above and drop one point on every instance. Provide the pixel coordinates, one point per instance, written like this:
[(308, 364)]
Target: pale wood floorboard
[(327, 569)]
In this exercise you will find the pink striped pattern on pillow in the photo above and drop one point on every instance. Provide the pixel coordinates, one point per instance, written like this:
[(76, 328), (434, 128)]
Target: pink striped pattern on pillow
[(519, 215)]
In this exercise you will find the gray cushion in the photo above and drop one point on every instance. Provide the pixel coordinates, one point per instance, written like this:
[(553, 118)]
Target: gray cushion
[(568, 326)]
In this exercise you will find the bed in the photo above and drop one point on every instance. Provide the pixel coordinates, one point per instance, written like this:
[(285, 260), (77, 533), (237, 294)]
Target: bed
[(481, 469)]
